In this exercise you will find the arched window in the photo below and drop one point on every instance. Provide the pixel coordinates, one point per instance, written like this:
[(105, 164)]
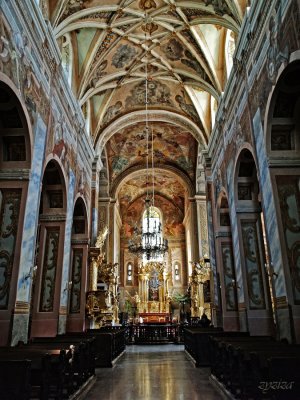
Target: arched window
[(129, 274), (177, 272), (229, 51)]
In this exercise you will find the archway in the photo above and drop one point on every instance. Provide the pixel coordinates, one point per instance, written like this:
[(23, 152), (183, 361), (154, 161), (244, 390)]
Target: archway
[(49, 253), (225, 261), (15, 161), (253, 252), (78, 272), (283, 151)]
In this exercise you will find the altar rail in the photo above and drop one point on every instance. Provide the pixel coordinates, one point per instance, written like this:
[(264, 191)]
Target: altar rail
[(154, 334)]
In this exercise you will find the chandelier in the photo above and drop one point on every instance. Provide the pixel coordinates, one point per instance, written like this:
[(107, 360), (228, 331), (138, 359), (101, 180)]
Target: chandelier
[(147, 241)]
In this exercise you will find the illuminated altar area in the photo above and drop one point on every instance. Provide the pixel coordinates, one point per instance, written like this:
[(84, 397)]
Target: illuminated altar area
[(153, 298)]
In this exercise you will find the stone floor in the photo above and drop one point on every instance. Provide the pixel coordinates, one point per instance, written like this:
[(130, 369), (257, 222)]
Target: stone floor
[(153, 373)]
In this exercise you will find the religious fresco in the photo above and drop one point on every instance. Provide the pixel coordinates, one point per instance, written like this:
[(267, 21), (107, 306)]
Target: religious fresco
[(253, 265), (168, 185), (158, 93), (118, 43), (76, 281), (173, 49), (10, 200), (112, 112), (172, 217), (49, 270), (123, 56), (229, 277), (289, 195), (171, 145)]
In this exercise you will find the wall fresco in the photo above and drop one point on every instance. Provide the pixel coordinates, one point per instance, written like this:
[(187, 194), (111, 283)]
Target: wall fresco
[(76, 281), (49, 270), (10, 200), (289, 198), (253, 265), (229, 277)]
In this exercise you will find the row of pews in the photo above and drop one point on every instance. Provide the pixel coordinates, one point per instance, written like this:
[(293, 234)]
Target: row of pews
[(244, 366), (57, 367)]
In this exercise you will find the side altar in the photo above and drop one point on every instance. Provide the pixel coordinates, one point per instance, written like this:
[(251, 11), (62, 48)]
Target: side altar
[(102, 304)]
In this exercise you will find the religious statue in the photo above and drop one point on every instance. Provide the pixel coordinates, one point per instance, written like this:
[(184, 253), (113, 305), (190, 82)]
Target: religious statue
[(101, 238)]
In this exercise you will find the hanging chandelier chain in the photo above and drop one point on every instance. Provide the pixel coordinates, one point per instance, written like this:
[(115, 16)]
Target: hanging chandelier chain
[(148, 243)]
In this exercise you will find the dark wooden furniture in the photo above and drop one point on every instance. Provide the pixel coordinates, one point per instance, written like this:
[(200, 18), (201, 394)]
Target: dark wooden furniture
[(257, 367)]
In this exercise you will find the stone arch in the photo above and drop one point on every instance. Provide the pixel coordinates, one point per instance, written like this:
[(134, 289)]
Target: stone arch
[(50, 248), (252, 243), (15, 163), (153, 115), (6, 81), (245, 176), (282, 142), (80, 210), (78, 266)]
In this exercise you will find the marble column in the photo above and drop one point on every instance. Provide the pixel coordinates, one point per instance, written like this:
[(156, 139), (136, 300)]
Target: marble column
[(20, 318), (243, 323), (65, 278), (281, 296)]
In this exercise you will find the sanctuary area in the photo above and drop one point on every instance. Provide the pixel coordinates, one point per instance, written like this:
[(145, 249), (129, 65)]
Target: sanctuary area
[(149, 196)]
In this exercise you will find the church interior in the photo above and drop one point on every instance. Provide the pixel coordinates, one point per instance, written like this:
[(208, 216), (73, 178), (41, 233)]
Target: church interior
[(149, 197)]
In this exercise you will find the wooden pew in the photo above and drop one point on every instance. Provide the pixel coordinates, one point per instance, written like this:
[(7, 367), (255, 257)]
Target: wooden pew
[(110, 343), (46, 369), (82, 363), (15, 379), (245, 365), (197, 343)]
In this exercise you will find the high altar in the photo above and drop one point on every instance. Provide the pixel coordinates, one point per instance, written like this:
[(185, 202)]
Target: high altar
[(153, 299)]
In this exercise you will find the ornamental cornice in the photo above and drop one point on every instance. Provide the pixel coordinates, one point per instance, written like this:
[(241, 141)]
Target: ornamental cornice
[(15, 174), (53, 217)]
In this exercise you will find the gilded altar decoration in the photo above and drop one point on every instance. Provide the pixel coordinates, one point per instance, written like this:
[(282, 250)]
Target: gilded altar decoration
[(154, 295), (199, 280), (102, 305)]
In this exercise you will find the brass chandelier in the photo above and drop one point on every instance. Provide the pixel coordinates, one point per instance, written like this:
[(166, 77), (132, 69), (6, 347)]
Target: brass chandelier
[(147, 241)]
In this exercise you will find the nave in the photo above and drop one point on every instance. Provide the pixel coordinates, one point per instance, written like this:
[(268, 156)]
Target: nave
[(155, 372)]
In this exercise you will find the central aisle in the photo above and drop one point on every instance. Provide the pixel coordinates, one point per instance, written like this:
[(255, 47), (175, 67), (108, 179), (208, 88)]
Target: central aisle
[(153, 373)]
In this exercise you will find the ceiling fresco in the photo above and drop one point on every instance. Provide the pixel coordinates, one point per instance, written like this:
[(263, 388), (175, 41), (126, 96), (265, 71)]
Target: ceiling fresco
[(184, 50), (136, 187), (109, 44), (172, 217), (171, 145)]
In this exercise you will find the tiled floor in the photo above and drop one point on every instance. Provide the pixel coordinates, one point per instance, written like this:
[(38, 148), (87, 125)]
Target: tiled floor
[(153, 373)]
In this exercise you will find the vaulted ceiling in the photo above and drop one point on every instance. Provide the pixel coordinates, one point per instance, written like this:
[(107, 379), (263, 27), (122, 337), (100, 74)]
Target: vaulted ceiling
[(184, 47)]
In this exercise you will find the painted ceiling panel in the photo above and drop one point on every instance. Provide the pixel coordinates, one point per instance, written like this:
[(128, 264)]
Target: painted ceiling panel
[(97, 102), (162, 94), (172, 219), (171, 145), (136, 187), (179, 46), (84, 39)]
